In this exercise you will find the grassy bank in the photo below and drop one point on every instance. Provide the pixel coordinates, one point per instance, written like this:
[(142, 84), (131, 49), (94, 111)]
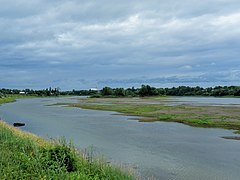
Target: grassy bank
[(155, 109), (7, 99), (12, 98), (26, 156)]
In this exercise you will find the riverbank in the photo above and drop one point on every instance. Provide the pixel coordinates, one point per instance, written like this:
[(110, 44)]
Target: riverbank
[(157, 109), (4, 100), (12, 98), (26, 156)]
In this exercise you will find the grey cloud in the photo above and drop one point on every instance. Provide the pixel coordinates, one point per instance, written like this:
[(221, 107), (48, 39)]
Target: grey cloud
[(127, 39)]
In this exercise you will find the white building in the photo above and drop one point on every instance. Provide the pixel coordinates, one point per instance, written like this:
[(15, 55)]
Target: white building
[(94, 89)]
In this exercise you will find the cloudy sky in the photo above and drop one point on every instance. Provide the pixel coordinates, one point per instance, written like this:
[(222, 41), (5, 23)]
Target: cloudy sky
[(79, 44)]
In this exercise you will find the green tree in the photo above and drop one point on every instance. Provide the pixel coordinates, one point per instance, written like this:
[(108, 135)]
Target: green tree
[(107, 91), (119, 92)]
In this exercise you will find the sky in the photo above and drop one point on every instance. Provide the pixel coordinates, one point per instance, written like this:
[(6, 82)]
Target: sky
[(80, 44)]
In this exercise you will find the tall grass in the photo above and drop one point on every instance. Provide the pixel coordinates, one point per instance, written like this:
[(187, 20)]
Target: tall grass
[(26, 156)]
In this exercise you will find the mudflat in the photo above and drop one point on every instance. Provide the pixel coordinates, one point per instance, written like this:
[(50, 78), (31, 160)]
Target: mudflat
[(166, 109)]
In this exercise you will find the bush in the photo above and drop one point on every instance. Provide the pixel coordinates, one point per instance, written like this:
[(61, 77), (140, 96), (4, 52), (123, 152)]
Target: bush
[(60, 156), (96, 96)]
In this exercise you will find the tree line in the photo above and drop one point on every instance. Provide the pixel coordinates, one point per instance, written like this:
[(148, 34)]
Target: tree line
[(44, 92), (144, 90)]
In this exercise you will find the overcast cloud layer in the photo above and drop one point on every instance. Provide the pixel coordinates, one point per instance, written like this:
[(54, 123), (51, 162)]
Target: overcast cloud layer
[(82, 44)]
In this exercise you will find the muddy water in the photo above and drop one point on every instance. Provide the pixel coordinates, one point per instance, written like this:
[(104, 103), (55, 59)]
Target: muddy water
[(160, 150)]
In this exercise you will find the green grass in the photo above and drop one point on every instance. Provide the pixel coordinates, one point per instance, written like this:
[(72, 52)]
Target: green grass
[(12, 98), (26, 156), (237, 132), (7, 100)]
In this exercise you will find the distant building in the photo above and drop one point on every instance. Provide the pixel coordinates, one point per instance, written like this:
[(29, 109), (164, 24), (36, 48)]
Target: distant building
[(22, 92), (94, 89)]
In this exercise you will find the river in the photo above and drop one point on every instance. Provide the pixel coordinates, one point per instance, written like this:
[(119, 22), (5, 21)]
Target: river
[(170, 151)]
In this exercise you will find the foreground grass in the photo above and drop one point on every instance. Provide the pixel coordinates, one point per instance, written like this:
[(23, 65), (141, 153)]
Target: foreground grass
[(26, 156), (198, 116)]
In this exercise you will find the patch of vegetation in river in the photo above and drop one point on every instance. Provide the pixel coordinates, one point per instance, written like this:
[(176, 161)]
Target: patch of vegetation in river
[(156, 109)]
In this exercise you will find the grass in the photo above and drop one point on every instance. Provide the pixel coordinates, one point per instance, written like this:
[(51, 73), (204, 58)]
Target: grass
[(237, 132), (4, 100), (149, 111), (12, 98), (26, 156)]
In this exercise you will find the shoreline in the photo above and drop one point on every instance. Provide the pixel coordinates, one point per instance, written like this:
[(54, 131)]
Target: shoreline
[(25, 155), (13, 98), (225, 117)]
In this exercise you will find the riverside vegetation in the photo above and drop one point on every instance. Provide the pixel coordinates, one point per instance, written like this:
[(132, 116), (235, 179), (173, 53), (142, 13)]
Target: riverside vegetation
[(157, 109), (144, 90), (26, 156), (8, 98)]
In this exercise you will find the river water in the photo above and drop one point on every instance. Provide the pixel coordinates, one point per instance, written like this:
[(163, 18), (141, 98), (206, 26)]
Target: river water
[(161, 150)]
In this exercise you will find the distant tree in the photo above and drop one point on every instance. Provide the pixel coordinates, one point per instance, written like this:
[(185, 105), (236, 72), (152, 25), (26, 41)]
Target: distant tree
[(236, 91), (144, 90), (119, 92), (161, 91), (106, 91), (147, 90)]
